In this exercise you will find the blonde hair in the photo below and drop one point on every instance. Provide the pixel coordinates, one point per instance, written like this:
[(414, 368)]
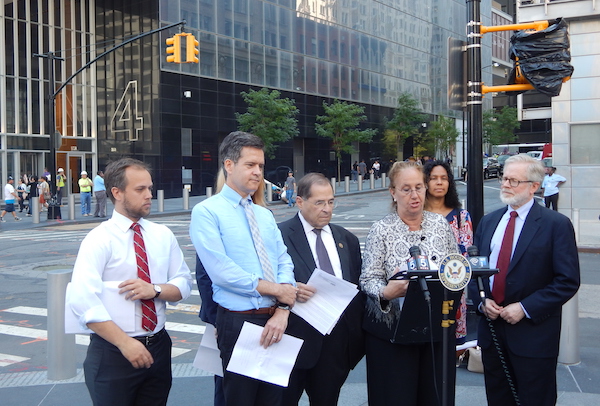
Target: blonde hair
[(258, 197), (397, 169)]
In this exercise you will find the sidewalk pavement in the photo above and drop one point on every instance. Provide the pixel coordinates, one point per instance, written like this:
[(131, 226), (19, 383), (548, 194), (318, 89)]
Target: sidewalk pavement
[(173, 206), (577, 384)]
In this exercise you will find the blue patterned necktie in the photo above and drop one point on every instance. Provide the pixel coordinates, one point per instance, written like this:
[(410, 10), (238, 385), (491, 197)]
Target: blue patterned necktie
[(322, 255), (258, 242)]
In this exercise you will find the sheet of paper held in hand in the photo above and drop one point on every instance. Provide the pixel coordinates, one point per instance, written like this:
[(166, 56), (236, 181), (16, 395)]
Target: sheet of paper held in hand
[(121, 311), (326, 306), (208, 357), (273, 364)]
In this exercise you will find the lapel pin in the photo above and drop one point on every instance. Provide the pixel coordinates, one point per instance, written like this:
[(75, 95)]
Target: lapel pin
[(341, 245)]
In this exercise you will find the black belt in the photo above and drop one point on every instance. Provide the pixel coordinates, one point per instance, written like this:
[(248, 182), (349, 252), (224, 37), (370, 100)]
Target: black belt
[(146, 340), (151, 339), (263, 310)]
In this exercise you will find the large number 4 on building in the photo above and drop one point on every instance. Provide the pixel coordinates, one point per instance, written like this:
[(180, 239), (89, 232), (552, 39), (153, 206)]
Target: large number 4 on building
[(126, 118)]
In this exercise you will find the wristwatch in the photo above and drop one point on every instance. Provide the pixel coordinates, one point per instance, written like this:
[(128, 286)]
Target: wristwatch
[(158, 290), (283, 306)]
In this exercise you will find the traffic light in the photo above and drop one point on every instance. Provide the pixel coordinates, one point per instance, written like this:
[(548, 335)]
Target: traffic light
[(174, 48), (192, 50)]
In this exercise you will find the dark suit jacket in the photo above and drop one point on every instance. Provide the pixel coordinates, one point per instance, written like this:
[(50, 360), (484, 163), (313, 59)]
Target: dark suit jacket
[(348, 331), (543, 274)]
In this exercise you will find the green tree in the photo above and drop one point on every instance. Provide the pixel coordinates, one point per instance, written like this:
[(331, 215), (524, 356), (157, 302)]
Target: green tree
[(340, 123), (269, 117), (499, 126), (444, 134), (406, 121)]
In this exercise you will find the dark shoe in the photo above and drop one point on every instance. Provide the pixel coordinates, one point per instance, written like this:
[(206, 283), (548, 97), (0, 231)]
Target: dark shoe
[(96, 216)]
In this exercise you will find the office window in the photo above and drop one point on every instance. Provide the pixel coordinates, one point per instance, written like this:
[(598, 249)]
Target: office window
[(585, 144), (186, 142)]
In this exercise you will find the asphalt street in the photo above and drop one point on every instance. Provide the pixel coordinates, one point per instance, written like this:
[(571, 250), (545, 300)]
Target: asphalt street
[(30, 251)]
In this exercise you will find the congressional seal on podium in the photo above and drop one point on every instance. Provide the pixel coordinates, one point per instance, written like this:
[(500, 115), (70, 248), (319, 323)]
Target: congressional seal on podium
[(455, 272)]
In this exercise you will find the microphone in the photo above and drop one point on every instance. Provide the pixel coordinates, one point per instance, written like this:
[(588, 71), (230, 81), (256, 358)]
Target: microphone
[(478, 262), (421, 263)]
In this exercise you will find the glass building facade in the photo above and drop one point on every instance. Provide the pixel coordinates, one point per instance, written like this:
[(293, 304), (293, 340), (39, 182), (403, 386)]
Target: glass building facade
[(30, 30), (131, 102)]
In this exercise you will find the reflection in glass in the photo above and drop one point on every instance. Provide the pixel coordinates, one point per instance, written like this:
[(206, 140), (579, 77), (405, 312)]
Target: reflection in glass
[(225, 61), (257, 65)]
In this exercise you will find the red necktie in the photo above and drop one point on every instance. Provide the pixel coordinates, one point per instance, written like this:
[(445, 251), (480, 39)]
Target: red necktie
[(149, 319), (504, 259)]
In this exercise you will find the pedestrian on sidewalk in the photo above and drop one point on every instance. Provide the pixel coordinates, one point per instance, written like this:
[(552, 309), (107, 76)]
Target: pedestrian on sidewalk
[(33, 192), (290, 189), (60, 185), (22, 192), (128, 365), (9, 199), (44, 193), (362, 169), (85, 193), (100, 195), (552, 181)]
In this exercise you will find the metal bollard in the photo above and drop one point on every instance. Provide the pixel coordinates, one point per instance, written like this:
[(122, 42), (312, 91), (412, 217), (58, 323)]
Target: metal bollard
[(333, 186), (208, 191), (186, 199), (61, 346), (576, 225), (568, 352), (160, 197), (269, 192), (383, 181), (35, 209), (360, 181), (347, 184), (372, 181), (71, 207)]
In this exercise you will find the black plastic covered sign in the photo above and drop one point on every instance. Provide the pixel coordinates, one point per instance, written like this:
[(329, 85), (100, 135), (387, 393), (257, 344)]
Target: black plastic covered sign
[(543, 56)]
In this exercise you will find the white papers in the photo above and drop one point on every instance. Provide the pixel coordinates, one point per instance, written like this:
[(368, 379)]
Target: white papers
[(121, 311), (208, 357), (326, 306), (273, 364)]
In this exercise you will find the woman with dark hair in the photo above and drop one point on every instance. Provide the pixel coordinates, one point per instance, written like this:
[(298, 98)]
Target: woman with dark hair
[(442, 198)]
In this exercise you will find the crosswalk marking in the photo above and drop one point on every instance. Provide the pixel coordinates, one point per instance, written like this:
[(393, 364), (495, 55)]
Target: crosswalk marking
[(84, 339), (38, 311), (7, 359)]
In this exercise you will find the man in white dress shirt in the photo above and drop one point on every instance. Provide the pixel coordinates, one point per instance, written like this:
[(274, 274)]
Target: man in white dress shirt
[(130, 367)]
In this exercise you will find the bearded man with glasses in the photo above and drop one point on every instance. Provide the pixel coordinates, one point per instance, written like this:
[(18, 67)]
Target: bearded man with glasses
[(535, 250)]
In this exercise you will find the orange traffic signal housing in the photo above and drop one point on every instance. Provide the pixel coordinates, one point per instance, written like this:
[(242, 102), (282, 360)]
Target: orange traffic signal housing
[(174, 48)]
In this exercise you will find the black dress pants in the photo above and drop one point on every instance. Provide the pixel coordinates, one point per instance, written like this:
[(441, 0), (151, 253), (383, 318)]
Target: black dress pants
[(241, 390), (112, 380)]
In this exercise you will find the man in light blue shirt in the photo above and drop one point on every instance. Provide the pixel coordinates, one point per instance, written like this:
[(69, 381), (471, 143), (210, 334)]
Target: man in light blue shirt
[(100, 195), (550, 187), (222, 236)]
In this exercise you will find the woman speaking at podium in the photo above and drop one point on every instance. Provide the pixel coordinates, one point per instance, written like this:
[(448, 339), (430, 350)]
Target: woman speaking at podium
[(404, 334)]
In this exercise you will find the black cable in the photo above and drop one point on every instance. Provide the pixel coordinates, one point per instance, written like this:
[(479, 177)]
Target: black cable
[(431, 342), (511, 384)]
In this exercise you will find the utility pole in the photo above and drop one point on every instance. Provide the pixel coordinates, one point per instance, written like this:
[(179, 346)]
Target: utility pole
[(474, 113)]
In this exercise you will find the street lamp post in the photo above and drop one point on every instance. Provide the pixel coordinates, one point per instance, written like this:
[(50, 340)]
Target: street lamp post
[(51, 57)]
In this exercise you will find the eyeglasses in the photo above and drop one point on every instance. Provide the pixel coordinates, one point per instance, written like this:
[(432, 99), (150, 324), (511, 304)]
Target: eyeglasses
[(321, 204), (513, 182), (406, 191)]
